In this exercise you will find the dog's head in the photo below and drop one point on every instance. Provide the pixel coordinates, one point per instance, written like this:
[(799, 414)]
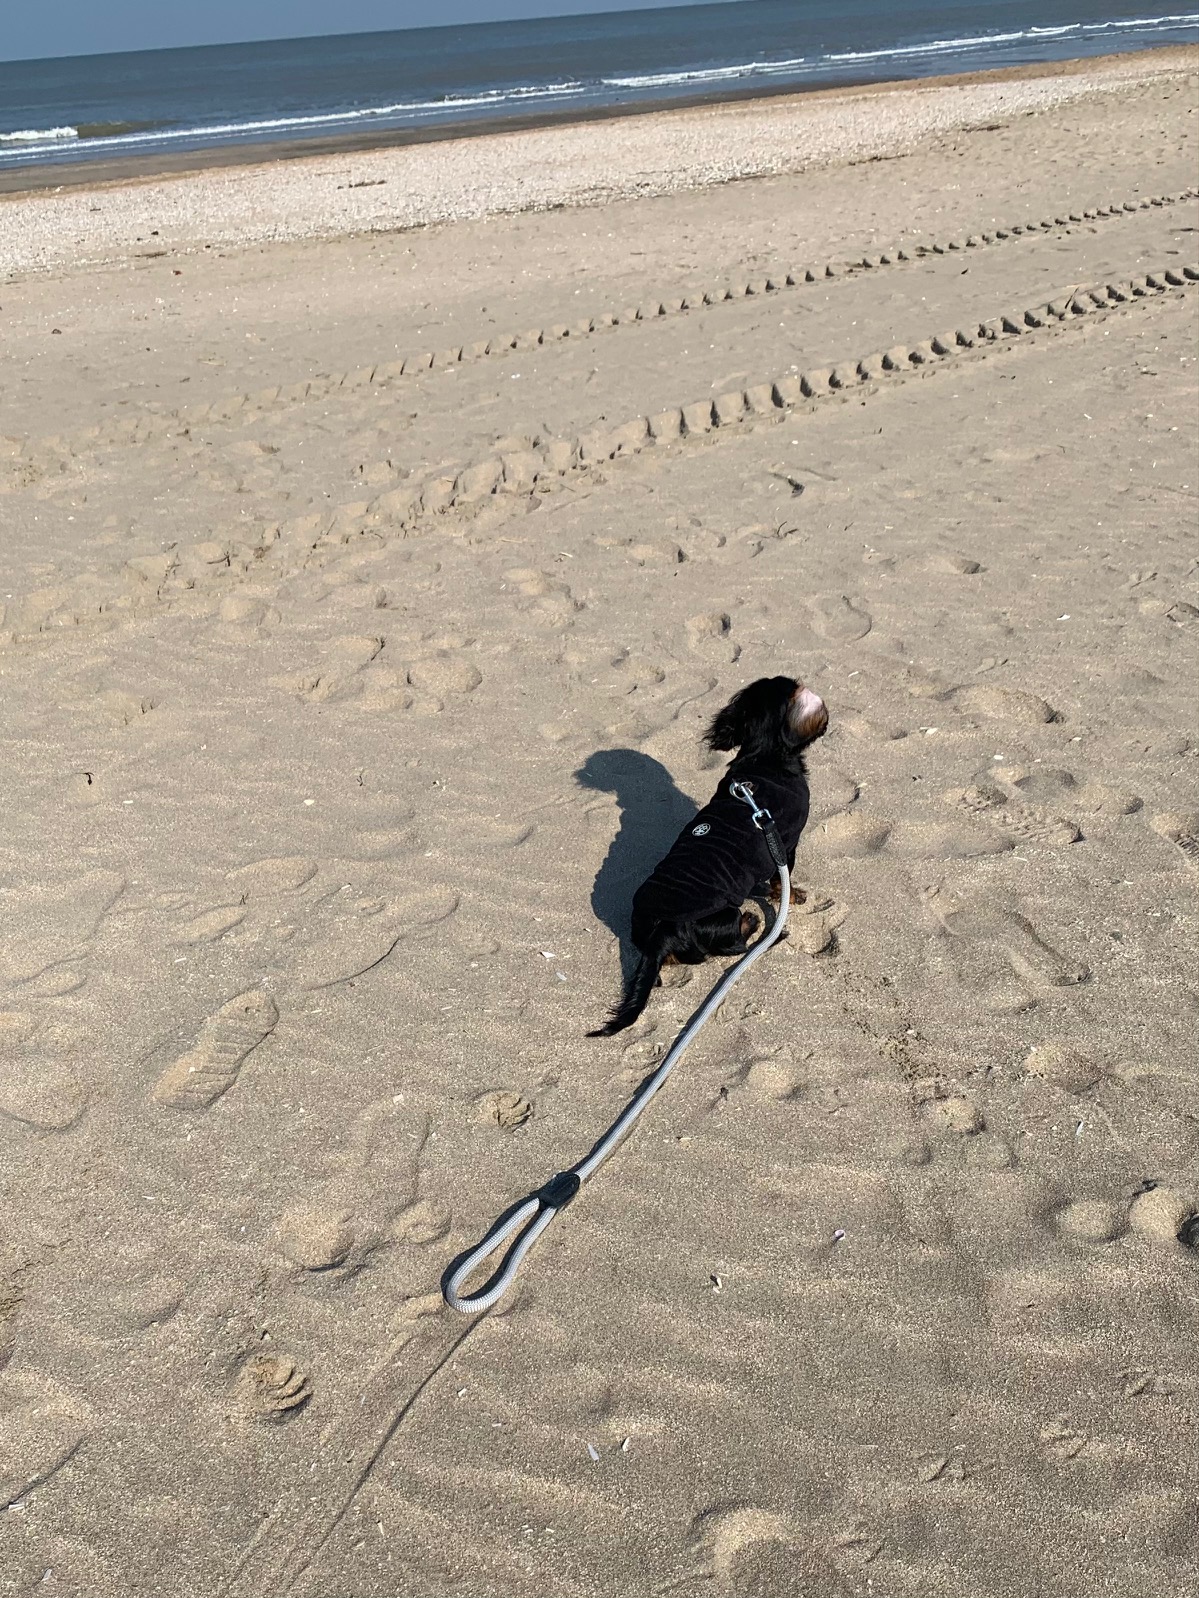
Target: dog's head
[(775, 717)]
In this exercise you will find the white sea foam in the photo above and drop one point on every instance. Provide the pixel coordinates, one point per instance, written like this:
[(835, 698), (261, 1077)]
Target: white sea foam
[(930, 47), (741, 69), (276, 125), (37, 135), (984, 41)]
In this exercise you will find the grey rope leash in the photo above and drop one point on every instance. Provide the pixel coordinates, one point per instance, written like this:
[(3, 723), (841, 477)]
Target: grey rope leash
[(543, 1205)]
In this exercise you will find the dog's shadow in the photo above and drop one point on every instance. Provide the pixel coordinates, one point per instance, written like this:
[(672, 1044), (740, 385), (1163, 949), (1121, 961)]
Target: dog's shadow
[(653, 811)]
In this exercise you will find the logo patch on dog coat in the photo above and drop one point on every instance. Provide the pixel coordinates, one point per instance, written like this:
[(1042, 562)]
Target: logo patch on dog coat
[(701, 830)]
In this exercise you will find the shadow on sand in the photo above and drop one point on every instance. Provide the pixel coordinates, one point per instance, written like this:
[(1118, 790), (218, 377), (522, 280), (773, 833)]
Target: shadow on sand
[(653, 811)]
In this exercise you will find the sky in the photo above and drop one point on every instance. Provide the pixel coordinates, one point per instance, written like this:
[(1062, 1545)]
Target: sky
[(85, 27)]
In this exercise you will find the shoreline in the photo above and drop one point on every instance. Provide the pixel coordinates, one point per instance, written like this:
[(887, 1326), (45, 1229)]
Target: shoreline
[(577, 166), (17, 182)]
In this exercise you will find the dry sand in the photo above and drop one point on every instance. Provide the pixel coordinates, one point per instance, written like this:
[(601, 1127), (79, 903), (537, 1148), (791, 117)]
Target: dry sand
[(347, 696)]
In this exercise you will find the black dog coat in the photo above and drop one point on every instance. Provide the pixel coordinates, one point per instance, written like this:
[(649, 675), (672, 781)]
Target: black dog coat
[(721, 857)]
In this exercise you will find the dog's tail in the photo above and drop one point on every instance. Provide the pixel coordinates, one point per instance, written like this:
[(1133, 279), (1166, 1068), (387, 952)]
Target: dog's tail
[(635, 997)]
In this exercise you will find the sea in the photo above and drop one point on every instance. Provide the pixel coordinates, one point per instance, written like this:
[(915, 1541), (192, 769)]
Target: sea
[(421, 81)]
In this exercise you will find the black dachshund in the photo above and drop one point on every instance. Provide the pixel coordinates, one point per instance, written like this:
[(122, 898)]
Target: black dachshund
[(689, 908)]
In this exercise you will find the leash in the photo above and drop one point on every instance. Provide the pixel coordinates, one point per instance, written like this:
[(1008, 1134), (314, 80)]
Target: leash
[(541, 1207)]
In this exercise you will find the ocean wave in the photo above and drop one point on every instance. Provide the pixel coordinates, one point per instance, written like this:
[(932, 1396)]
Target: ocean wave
[(106, 130), (929, 47), (37, 135), (276, 125), (740, 69), (982, 41)]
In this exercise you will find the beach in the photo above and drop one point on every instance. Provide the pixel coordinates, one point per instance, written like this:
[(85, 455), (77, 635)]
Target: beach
[(381, 530)]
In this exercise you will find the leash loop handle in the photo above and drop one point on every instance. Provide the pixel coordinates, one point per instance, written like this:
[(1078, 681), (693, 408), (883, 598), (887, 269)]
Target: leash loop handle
[(539, 1209)]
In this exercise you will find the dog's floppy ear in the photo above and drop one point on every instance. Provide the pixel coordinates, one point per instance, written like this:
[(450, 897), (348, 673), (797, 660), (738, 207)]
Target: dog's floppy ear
[(755, 718), (728, 727)]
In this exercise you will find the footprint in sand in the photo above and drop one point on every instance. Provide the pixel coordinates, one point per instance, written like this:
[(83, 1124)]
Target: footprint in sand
[(123, 708), (754, 1553), (495, 834), (921, 840), (1099, 799), (41, 1426), (867, 729), (316, 1237), (955, 1114), (695, 543), (856, 835), (770, 1077), (340, 676), (37, 1089), (999, 954), (1167, 1217), (546, 598), (350, 939), (503, 1107), (953, 564), (48, 931), (385, 842), (445, 672), (278, 874), (1049, 786), (834, 792), (244, 610), (270, 1389), (143, 1297), (816, 919), (1016, 820), (893, 667), (333, 934), (1005, 704), (1181, 828), (639, 671), (708, 631), (838, 620), (772, 1567), (1168, 1085), (199, 1077), (1091, 1221), (1062, 1441), (379, 828), (849, 833), (210, 925), (1063, 1066), (371, 1200)]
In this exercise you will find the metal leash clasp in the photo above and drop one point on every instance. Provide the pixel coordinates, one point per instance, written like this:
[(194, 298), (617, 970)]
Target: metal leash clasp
[(761, 817)]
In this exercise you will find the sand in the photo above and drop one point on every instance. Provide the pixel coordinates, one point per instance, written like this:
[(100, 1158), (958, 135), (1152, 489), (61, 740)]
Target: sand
[(365, 597)]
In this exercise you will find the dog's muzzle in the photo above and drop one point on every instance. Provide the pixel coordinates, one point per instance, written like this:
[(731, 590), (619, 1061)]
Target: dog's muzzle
[(809, 715)]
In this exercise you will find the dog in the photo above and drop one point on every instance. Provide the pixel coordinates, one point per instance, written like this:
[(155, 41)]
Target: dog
[(689, 908)]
